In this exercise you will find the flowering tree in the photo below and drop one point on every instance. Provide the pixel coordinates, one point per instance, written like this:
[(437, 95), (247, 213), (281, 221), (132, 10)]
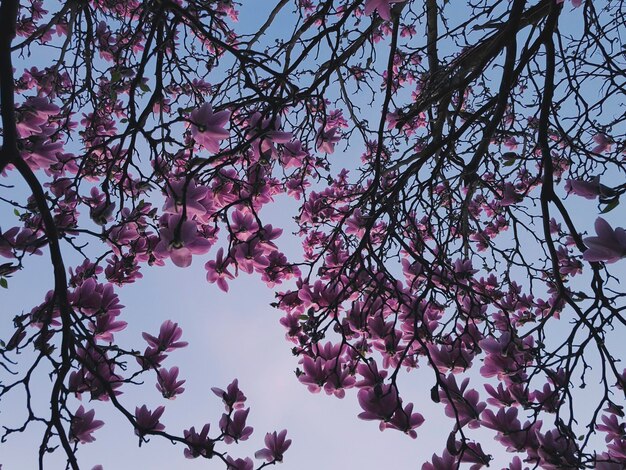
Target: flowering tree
[(154, 132)]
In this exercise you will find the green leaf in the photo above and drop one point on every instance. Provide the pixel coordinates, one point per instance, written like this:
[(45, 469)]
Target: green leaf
[(4, 283), (144, 87), (610, 206), (16, 212), (115, 76)]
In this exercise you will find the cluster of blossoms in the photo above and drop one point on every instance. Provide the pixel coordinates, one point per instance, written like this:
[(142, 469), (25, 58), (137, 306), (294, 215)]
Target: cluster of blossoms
[(442, 250), (232, 425), (99, 192)]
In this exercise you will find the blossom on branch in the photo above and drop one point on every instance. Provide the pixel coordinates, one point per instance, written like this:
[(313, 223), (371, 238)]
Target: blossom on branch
[(275, 446), (207, 128), (83, 425), (383, 7), (609, 245)]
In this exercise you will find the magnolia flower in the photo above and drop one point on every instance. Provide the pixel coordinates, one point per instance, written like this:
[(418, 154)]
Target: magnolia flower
[(83, 425), (604, 143), (406, 421), (198, 444), (326, 140), (609, 246), (239, 464), (234, 427), (445, 462), (378, 403), (147, 420), (193, 200), (168, 383), (510, 197), (169, 334), (207, 128), (293, 154), (181, 243), (33, 115), (232, 397), (511, 143), (586, 189), (275, 446), (383, 7), (217, 271)]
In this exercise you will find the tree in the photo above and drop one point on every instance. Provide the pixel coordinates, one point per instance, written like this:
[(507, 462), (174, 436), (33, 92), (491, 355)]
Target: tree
[(151, 132)]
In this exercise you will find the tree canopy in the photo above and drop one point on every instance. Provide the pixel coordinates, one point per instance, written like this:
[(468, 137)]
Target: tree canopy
[(439, 154)]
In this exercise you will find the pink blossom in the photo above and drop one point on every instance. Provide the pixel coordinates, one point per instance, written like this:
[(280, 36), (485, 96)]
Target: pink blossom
[(511, 143), (83, 425), (609, 245), (148, 421), (168, 383), (371, 376), (605, 461), (33, 115), (406, 421), (243, 226), (193, 201), (97, 375), (383, 7), (313, 375), (217, 271), (604, 143), (198, 444), (293, 154), (472, 452), (233, 398), (101, 209), (266, 235), (586, 189), (379, 402), (516, 464), (207, 128), (105, 325), (151, 358), (613, 429), (264, 133), (42, 153), (250, 256), (169, 334), (181, 241), (239, 464), (326, 139), (445, 462), (275, 446), (510, 196), (92, 298), (501, 396), (234, 427), (504, 421)]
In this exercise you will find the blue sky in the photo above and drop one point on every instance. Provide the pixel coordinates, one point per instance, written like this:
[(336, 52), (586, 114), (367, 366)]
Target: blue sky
[(231, 335)]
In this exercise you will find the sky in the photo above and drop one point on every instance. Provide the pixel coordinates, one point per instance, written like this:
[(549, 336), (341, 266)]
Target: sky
[(231, 335), (234, 334)]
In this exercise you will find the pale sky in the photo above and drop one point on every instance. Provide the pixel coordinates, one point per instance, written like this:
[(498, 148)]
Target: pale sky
[(233, 335)]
